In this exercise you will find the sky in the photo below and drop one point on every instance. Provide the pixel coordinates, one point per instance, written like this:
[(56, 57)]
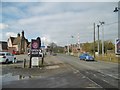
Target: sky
[(58, 21)]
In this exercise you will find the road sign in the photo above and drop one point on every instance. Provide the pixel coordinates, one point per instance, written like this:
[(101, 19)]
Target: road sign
[(35, 52), (34, 44), (35, 49), (117, 46), (35, 61)]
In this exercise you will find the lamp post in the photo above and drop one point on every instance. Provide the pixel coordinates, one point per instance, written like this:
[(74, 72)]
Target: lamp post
[(101, 23), (94, 41), (116, 9), (98, 40)]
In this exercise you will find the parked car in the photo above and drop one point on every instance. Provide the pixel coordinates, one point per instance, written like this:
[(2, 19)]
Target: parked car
[(86, 57), (15, 52), (6, 57)]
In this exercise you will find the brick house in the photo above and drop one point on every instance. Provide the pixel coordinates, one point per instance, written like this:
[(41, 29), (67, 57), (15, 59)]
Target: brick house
[(18, 43)]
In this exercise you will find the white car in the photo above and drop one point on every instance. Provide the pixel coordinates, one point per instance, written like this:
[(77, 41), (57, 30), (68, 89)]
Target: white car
[(6, 57)]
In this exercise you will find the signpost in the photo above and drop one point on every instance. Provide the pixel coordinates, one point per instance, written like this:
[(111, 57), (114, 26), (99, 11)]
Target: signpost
[(117, 46), (35, 52)]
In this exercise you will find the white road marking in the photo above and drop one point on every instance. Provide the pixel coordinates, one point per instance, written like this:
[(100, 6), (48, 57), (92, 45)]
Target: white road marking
[(52, 67)]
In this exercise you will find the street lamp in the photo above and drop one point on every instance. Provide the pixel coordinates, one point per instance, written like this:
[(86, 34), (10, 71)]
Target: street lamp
[(101, 23), (94, 41), (116, 9)]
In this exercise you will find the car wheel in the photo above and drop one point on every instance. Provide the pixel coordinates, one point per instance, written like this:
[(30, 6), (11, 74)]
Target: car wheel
[(7, 61), (14, 61)]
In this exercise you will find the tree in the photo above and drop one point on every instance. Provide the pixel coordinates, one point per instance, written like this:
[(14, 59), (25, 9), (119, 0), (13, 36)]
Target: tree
[(53, 46), (109, 46), (87, 47)]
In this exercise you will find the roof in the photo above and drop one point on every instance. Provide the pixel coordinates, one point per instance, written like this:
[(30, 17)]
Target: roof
[(12, 39), (16, 40)]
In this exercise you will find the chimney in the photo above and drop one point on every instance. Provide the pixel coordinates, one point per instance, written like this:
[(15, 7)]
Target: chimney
[(18, 35), (22, 33)]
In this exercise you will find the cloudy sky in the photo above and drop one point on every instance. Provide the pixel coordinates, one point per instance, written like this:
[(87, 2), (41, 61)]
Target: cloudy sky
[(58, 21)]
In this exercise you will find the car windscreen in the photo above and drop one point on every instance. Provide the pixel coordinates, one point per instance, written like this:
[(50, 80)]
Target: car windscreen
[(86, 54), (2, 54)]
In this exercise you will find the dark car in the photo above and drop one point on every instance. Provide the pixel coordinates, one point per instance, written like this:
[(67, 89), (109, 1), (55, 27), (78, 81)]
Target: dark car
[(86, 57)]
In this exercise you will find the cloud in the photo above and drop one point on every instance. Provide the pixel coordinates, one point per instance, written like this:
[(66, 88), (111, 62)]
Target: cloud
[(60, 0), (20, 0), (58, 21), (12, 34), (3, 26)]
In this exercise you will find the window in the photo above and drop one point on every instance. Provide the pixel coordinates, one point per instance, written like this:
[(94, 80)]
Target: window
[(8, 54), (2, 54)]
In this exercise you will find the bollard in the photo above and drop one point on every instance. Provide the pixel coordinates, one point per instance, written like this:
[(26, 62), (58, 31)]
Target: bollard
[(42, 60), (24, 63), (39, 61)]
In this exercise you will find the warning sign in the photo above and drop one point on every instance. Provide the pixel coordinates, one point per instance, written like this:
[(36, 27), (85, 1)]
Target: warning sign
[(35, 48)]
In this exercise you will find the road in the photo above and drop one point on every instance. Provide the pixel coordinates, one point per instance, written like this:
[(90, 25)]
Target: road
[(62, 71), (104, 74)]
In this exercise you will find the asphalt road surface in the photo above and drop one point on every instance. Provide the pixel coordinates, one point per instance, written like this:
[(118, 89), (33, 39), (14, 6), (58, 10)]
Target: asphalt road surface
[(105, 74), (62, 71)]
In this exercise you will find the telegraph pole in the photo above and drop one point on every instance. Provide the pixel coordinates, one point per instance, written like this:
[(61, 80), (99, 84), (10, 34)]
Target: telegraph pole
[(98, 40), (102, 37)]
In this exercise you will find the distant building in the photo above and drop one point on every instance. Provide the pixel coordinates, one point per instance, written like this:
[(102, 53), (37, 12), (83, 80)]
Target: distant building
[(74, 48), (3, 46), (19, 43)]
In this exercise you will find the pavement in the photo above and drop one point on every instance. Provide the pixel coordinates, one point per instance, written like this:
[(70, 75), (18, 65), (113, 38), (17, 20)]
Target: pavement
[(51, 63)]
